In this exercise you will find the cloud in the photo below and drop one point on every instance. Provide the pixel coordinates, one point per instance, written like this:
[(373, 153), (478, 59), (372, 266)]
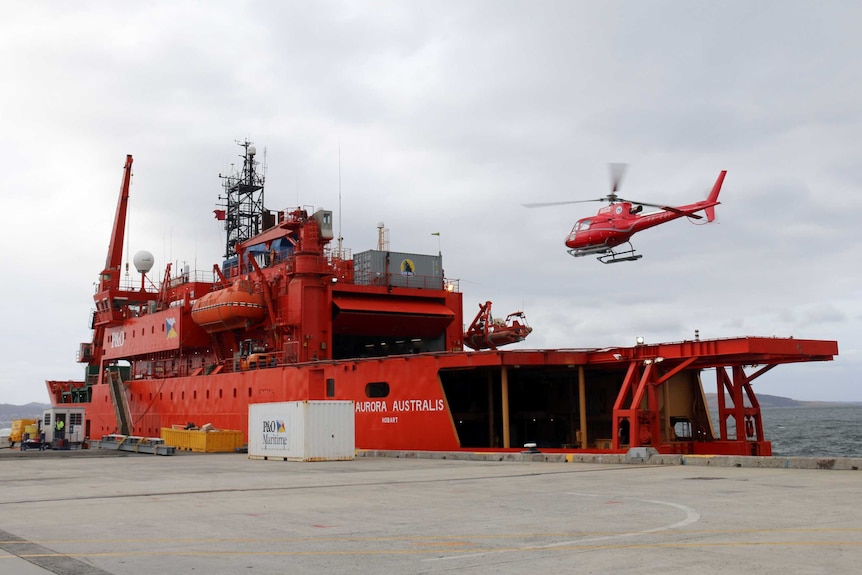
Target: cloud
[(446, 117)]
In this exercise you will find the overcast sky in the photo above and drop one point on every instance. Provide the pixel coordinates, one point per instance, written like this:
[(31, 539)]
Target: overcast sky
[(449, 115)]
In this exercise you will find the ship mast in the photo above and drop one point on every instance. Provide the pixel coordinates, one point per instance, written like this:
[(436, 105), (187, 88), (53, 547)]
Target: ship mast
[(244, 211)]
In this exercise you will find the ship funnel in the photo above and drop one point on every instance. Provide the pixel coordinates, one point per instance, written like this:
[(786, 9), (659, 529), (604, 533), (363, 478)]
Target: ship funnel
[(143, 261)]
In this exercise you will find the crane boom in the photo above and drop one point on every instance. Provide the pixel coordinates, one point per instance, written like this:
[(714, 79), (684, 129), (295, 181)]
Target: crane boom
[(115, 249)]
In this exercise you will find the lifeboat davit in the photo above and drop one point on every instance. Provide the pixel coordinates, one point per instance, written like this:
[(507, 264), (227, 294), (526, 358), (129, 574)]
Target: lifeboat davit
[(235, 307)]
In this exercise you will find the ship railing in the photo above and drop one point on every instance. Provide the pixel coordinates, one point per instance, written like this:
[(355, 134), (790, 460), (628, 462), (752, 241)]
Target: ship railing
[(258, 360), (131, 283), (323, 265), (195, 276), (407, 281), (334, 255)]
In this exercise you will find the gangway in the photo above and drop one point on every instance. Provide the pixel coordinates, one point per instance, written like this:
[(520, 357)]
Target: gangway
[(120, 402)]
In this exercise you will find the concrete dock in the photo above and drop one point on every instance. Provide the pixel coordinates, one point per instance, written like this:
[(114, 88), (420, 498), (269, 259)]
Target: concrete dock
[(96, 512)]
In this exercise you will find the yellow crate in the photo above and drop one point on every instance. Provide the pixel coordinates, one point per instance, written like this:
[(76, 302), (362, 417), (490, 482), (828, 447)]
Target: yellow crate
[(202, 441), (19, 428)]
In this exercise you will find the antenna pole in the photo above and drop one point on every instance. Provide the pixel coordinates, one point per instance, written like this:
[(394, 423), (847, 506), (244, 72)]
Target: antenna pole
[(340, 239)]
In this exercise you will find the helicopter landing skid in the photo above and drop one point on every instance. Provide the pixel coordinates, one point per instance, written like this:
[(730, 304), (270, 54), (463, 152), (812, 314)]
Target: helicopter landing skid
[(613, 257)]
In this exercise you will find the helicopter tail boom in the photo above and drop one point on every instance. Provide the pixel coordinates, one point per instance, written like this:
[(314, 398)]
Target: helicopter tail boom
[(713, 196)]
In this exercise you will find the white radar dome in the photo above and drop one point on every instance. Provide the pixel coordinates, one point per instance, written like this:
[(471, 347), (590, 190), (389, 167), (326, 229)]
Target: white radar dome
[(143, 261), (252, 150)]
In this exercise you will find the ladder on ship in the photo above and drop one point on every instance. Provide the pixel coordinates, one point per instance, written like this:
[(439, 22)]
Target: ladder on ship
[(120, 402)]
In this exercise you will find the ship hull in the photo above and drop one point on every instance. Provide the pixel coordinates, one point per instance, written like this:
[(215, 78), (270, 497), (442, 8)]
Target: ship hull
[(409, 417), (571, 400)]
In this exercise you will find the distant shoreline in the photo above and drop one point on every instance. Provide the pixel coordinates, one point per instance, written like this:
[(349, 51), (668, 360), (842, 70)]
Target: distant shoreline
[(10, 412), (768, 401)]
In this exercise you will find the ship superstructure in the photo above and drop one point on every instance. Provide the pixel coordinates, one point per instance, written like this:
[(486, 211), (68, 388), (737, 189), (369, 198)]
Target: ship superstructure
[(284, 317)]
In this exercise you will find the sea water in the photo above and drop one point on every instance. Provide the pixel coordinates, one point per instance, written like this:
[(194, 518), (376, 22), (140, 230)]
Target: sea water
[(834, 431)]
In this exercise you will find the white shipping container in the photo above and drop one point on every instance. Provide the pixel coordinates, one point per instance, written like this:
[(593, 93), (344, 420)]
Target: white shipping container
[(302, 430)]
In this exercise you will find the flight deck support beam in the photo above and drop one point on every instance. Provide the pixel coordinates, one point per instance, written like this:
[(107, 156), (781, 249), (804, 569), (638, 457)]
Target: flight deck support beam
[(490, 385), (622, 415), (504, 388), (748, 423), (642, 413), (582, 406)]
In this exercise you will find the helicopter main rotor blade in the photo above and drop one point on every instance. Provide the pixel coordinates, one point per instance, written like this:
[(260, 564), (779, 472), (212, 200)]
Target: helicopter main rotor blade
[(546, 204), (617, 172)]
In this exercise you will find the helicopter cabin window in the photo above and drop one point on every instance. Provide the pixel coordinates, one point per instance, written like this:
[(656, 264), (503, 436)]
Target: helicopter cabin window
[(582, 226)]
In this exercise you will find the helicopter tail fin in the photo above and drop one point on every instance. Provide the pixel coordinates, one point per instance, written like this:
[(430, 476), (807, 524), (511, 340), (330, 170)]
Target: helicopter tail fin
[(713, 197)]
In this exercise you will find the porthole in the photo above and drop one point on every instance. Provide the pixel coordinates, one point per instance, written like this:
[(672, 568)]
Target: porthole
[(377, 389)]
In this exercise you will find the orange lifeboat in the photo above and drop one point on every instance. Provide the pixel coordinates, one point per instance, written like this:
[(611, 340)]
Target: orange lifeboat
[(235, 307), (487, 332)]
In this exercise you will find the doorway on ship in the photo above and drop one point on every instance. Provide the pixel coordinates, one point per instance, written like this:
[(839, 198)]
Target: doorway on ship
[(552, 406)]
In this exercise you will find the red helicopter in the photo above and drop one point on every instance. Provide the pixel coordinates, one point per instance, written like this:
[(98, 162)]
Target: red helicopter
[(617, 222)]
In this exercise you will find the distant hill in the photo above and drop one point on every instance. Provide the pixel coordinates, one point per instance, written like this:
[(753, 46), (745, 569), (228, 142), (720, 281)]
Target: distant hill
[(9, 412), (767, 401)]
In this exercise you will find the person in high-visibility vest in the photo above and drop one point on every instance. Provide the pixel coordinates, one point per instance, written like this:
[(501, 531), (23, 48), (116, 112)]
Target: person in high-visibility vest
[(60, 425)]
